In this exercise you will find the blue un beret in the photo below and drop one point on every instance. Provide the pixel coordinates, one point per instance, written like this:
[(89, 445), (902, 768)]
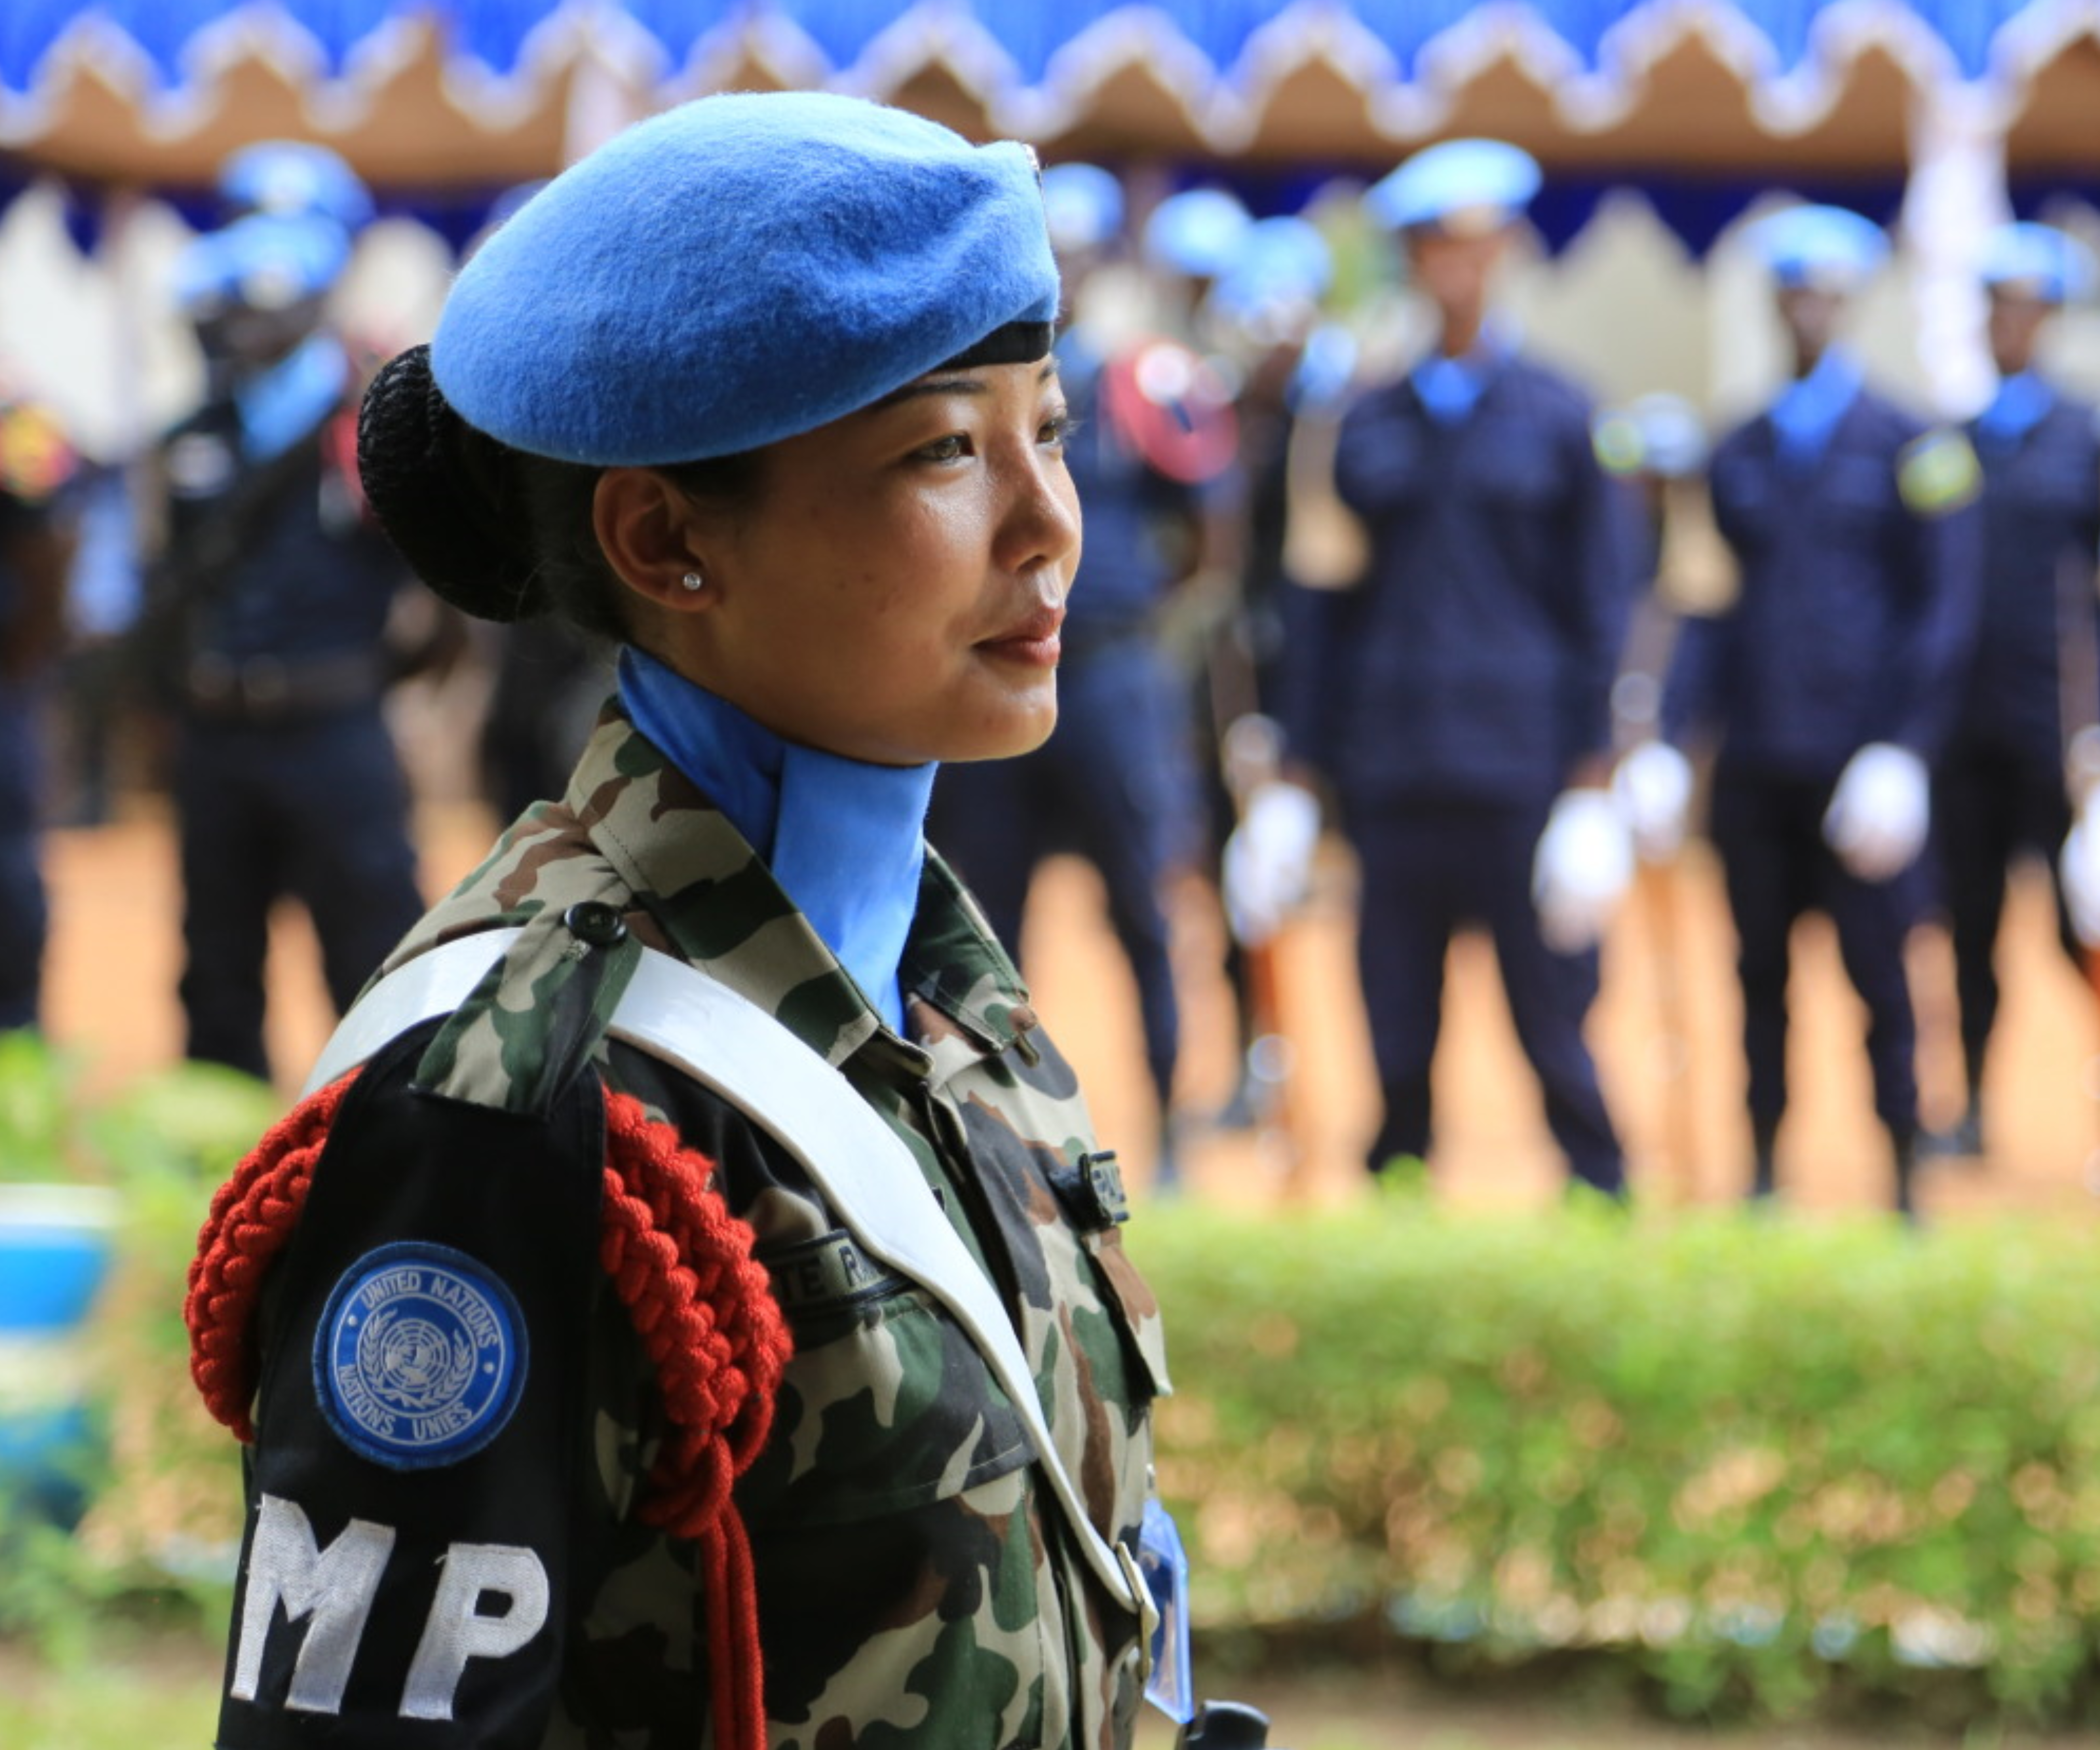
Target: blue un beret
[(2040, 260), (1467, 185), (264, 261), (1196, 232), (738, 269), (294, 177), (1831, 247), (1282, 264), (1082, 203)]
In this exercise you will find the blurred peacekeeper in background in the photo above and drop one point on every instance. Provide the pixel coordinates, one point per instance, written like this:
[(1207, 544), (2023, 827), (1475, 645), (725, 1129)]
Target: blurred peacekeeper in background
[(1266, 310), (1457, 697), (2033, 681), (268, 604), (1832, 680), (1116, 781), (36, 539)]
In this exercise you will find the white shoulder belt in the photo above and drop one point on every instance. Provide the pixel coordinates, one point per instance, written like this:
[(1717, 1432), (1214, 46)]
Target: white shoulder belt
[(726, 1043)]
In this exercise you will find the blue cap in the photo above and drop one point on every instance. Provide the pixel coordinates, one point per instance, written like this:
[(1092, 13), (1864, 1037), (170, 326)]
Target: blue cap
[(1830, 247), (293, 177), (1282, 265), (1467, 186), (263, 261), (741, 269), (1082, 204), (1196, 232), (2040, 260)]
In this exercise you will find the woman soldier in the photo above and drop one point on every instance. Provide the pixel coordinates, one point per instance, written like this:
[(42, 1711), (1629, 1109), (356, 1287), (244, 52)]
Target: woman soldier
[(704, 1135)]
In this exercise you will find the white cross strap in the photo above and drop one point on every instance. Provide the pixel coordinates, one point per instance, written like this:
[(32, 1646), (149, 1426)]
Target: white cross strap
[(728, 1043)]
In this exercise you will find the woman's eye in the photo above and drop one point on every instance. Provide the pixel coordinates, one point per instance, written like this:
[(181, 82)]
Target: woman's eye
[(1057, 431), (952, 448)]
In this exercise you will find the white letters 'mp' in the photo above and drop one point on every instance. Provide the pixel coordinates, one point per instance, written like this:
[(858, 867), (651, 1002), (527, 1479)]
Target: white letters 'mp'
[(456, 1631), (336, 1587)]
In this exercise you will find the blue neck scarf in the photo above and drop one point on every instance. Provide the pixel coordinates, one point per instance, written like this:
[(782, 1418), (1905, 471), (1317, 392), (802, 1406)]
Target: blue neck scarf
[(1808, 409), (292, 397), (845, 841), (1450, 388), (2015, 410)]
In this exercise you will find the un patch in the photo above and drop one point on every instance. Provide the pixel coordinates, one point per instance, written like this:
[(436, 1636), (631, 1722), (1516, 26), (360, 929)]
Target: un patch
[(420, 1357), (1938, 473)]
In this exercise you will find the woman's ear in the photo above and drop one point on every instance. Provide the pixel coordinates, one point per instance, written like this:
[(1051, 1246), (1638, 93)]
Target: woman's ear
[(653, 537)]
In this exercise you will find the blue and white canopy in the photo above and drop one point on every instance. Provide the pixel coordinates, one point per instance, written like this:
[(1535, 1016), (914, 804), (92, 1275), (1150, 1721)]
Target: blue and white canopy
[(424, 94)]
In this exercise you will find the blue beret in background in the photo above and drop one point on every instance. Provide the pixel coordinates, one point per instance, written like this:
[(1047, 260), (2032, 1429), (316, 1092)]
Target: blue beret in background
[(1831, 247), (1282, 265), (293, 178), (2040, 260), (1196, 232), (1467, 185), (1082, 203), (264, 261), (737, 270)]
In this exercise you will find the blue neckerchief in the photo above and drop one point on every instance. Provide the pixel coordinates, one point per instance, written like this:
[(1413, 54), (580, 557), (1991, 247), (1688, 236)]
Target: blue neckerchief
[(845, 841), (1450, 388), (2015, 410), (292, 397), (1808, 410)]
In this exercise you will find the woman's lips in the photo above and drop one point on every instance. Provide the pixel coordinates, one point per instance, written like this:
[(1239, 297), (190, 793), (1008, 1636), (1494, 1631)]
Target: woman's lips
[(1033, 640)]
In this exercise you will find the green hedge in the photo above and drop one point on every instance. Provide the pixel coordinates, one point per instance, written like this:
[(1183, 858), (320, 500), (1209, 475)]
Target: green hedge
[(162, 1529), (1756, 1459)]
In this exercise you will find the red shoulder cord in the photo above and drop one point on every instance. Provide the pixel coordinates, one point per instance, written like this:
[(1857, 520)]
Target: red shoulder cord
[(681, 1264)]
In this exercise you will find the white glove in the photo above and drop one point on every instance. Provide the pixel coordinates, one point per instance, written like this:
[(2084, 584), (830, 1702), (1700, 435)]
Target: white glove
[(1583, 864), (1879, 813), (2080, 867), (1653, 785), (1268, 863)]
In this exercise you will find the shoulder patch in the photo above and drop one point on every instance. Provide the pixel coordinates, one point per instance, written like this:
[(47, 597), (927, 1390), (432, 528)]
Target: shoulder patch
[(1938, 473), (419, 1356)]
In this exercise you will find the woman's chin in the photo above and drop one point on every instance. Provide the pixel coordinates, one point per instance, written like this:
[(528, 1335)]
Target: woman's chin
[(1022, 727)]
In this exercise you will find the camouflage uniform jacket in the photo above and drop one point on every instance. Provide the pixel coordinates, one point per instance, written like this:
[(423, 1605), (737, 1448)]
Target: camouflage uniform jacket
[(918, 1588)]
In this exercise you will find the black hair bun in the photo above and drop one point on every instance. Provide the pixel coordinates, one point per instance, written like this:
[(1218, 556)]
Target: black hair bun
[(445, 494)]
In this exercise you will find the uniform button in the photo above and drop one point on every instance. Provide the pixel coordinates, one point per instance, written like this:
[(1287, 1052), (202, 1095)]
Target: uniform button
[(594, 922)]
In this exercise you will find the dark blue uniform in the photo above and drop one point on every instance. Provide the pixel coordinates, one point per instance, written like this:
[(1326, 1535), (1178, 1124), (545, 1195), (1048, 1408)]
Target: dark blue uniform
[(2000, 790), (1854, 616), (25, 915), (1116, 781), (1450, 696), (286, 781)]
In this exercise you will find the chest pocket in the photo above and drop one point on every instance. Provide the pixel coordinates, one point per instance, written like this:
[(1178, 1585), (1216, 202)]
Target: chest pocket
[(886, 1405)]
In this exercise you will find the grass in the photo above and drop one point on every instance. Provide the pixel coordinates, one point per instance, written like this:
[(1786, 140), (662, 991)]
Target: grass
[(121, 1688), (116, 1692)]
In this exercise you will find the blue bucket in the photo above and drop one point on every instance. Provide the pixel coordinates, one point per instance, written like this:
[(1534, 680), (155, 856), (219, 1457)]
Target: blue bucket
[(56, 1243)]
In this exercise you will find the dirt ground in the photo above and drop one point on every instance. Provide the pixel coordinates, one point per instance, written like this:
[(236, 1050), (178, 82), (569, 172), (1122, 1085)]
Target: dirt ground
[(1665, 1033)]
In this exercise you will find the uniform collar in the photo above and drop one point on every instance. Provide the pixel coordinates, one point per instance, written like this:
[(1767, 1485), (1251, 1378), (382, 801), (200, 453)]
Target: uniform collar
[(290, 399), (845, 839), (1450, 389), (2016, 409), (719, 906), (1806, 412)]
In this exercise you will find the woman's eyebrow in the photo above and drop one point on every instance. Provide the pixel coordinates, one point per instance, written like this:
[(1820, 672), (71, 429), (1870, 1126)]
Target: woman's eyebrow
[(951, 386), (932, 386)]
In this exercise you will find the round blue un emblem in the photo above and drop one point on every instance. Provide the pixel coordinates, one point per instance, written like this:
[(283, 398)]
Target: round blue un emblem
[(419, 1356)]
